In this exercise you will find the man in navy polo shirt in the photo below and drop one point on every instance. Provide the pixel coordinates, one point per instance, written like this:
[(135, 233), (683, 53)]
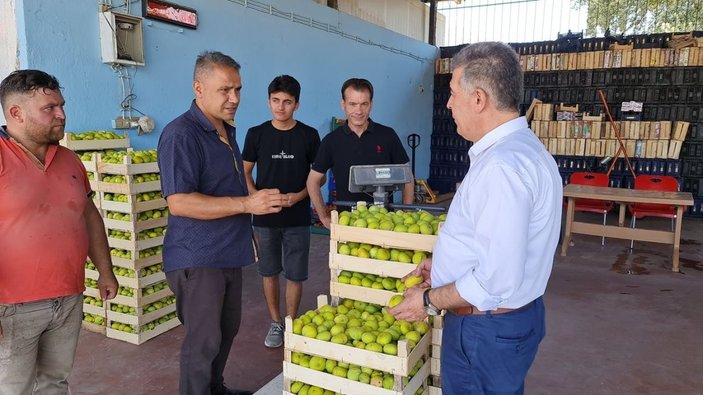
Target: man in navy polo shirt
[(360, 141), (209, 235)]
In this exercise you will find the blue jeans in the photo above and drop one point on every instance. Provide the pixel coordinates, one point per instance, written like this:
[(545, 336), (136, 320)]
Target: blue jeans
[(38, 345), (490, 354)]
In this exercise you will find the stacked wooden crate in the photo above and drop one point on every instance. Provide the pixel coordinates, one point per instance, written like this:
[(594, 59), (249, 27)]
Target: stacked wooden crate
[(407, 360), (435, 354), (87, 146), (135, 217)]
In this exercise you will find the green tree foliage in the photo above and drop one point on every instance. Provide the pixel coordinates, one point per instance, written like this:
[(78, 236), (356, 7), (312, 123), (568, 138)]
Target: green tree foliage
[(642, 16)]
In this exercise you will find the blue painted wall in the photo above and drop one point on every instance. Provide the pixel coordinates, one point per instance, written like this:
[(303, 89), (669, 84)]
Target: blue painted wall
[(62, 37)]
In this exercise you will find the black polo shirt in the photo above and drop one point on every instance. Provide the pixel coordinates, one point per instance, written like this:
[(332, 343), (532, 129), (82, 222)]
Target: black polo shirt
[(342, 148), (192, 158)]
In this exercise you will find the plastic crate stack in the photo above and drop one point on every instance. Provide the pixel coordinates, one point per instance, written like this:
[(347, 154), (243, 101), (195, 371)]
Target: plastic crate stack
[(87, 145), (664, 72), (135, 216), (449, 159), (408, 359)]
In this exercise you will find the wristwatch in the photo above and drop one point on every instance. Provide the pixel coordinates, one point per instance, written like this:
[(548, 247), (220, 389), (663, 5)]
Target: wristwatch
[(430, 309)]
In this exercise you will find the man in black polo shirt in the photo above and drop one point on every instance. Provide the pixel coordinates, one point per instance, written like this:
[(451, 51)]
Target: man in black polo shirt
[(360, 141), (209, 235)]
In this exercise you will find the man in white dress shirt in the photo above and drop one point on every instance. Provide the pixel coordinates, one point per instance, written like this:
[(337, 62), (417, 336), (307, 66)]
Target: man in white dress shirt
[(494, 254)]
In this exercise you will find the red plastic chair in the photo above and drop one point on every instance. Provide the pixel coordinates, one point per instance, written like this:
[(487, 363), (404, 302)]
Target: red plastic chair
[(592, 205), (641, 210)]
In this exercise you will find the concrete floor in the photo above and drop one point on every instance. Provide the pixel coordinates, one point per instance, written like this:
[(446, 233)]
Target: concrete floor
[(618, 323)]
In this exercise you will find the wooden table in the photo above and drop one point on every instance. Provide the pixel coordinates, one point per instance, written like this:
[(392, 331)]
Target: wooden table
[(623, 197)]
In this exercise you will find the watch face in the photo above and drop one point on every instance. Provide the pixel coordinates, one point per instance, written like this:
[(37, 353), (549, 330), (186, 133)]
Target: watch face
[(431, 310)]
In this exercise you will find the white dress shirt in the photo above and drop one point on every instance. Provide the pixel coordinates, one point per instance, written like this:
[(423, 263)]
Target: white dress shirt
[(503, 225)]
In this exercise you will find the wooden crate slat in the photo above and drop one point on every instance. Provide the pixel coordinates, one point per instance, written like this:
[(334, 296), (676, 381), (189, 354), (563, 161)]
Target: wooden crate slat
[(93, 145), (437, 337), (365, 294), (435, 366), (127, 168), (135, 227), (372, 266), (130, 188), (436, 351), (139, 300), (92, 292), (95, 310), (141, 282), (135, 245), (133, 207), (383, 238), (137, 264), (140, 338), (91, 327), (434, 390)]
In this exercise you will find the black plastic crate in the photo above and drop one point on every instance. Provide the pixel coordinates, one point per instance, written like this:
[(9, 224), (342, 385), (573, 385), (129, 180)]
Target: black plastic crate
[(673, 167), (691, 150), (693, 185), (692, 168), (695, 132), (696, 211)]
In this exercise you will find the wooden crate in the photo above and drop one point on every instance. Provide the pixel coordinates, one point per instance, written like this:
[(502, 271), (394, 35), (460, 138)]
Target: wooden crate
[(135, 245), (140, 318), (130, 188), (141, 337), (383, 238), (137, 264), (364, 294), (292, 372), (340, 262), (432, 390), (94, 292), (400, 364), (95, 310), (135, 226), (126, 167), (93, 145), (140, 282), (131, 206), (139, 300), (91, 327)]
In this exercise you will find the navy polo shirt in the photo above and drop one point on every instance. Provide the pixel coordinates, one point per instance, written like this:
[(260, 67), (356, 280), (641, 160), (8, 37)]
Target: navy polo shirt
[(342, 148), (192, 158)]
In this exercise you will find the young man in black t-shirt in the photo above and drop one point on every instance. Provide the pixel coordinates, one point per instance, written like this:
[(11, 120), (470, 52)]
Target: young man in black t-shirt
[(282, 150)]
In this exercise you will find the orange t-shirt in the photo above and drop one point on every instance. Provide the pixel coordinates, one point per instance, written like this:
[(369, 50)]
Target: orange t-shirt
[(43, 233)]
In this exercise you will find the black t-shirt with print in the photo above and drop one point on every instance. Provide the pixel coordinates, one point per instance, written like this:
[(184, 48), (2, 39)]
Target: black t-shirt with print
[(283, 159)]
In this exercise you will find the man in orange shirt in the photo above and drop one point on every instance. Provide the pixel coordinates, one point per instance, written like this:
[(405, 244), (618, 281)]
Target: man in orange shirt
[(49, 225)]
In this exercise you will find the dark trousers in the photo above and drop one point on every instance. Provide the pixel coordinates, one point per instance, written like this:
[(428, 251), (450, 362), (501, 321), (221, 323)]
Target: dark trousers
[(490, 354), (208, 303)]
